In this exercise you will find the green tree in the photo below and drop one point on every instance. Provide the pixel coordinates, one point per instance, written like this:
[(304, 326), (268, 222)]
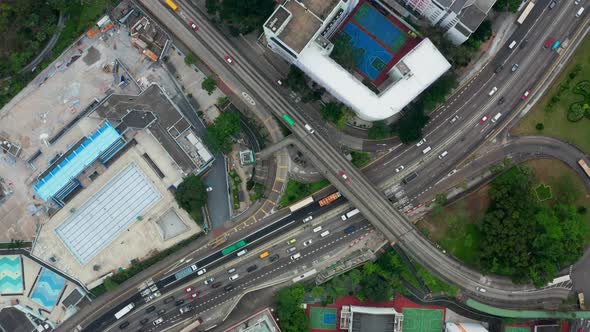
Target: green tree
[(409, 126), (483, 32), (343, 53), (219, 136), (359, 158), (191, 196), (209, 85), (507, 5), (539, 126), (292, 317), (335, 113), (379, 130), (296, 80), (245, 16), (191, 59), (212, 6)]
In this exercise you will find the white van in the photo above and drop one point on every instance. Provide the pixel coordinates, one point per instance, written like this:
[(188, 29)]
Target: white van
[(324, 234), (234, 277), (242, 252), (496, 117), (580, 11), (201, 272), (309, 129), (317, 229), (425, 151), (494, 89), (442, 155), (511, 46), (296, 256)]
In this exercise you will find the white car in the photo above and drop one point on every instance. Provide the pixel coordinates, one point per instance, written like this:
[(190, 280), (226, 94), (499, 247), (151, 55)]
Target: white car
[(158, 321), (201, 272), (399, 169), (481, 289), (209, 189), (422, 141), (210, 280), (306, 243), (308, 219)]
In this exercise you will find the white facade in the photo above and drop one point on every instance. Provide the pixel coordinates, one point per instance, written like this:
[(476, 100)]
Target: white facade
[(417, 70)]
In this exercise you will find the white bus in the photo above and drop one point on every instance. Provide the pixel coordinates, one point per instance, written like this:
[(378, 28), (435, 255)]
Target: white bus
[(525, 12), (124, 311)]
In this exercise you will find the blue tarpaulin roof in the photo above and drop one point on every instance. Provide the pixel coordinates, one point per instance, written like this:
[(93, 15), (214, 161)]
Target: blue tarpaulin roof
[(77, 161)]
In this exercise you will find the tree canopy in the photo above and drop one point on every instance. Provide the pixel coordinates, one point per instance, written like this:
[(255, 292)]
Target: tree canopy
[(191, 196), (219, 137), (343, 53), (242, 16), (335, 113), (292, 317), (524, 239), (209, 85), (507, 5), (379, 130)]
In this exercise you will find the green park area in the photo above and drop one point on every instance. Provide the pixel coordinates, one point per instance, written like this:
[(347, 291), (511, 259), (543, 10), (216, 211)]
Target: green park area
[(564, 110), (541, 194), (297, 190)]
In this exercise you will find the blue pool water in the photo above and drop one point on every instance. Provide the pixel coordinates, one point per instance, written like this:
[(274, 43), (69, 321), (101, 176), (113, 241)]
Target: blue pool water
[(48, 288), (11, 280)]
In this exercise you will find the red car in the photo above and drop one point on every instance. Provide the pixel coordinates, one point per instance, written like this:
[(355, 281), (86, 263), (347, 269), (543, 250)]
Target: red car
[(549, 42), (484, 119), (189, 289), (228, 59), (346, 178), (525, 94), (194, 296), (193, 26)]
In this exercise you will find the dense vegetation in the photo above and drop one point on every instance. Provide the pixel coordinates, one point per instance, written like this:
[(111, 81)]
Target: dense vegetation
[(296, 191), (191, 196), (80, 16), (525, 239), (220, 134), (209, 85), (241, 16), (297, 81), (343, 53), (507, 5), (25, 25), (335, 113), (292, 317)]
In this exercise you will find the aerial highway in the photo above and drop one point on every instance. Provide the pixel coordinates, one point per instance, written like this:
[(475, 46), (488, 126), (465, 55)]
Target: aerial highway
[(363, 194), (242, 76)]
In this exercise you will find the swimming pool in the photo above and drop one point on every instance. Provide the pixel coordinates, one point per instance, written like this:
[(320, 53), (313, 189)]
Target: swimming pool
[(48, 288), (11, 280)]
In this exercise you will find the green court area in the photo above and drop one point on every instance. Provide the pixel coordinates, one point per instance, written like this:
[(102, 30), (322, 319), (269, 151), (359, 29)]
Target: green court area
[(422, 320), (517, 329), (323, 318)]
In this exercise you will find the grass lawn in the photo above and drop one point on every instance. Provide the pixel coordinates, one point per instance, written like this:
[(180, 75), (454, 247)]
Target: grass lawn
[(436, 285), (296, 191), (456, 227), (543, 192), (360, 159), (555, 122)]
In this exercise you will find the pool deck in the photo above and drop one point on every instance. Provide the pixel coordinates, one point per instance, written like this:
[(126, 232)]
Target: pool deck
[(31, 269)]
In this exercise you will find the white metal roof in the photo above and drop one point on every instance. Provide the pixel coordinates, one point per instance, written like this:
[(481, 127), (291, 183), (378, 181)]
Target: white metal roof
[(107, 213), (425, 62)]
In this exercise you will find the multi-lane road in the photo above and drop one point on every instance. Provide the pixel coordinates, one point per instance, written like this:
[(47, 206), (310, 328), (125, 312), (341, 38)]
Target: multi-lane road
[(472, 100), (459, 138)]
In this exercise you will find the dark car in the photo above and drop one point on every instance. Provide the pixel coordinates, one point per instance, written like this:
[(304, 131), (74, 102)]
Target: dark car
[(179, 302), (228, 288), (216, 285), (523, 43), (501, 101), (169, 299), (150, 309), (252, 268), (499, 69), (124, 325), (274, 258), (349, 229), (144, 321), (161, 311)]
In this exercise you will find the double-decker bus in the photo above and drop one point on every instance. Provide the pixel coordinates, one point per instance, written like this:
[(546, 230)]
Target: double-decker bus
[(288, 120), (584, 166), (233, 247)]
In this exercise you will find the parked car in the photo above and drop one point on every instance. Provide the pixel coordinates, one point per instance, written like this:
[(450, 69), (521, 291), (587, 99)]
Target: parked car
[(549, 42)]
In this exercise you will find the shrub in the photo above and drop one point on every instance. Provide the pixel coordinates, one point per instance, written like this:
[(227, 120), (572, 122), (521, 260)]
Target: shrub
[(540, 126)]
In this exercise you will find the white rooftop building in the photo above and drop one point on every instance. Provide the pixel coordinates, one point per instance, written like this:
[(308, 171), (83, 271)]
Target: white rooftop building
[(299, 32), (370, 319)]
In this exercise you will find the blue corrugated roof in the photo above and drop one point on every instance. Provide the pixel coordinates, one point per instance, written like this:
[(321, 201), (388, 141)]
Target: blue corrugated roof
[(77, 161)]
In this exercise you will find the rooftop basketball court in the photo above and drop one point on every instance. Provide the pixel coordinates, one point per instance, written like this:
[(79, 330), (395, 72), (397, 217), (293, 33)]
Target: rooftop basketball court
[(379, 41)]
